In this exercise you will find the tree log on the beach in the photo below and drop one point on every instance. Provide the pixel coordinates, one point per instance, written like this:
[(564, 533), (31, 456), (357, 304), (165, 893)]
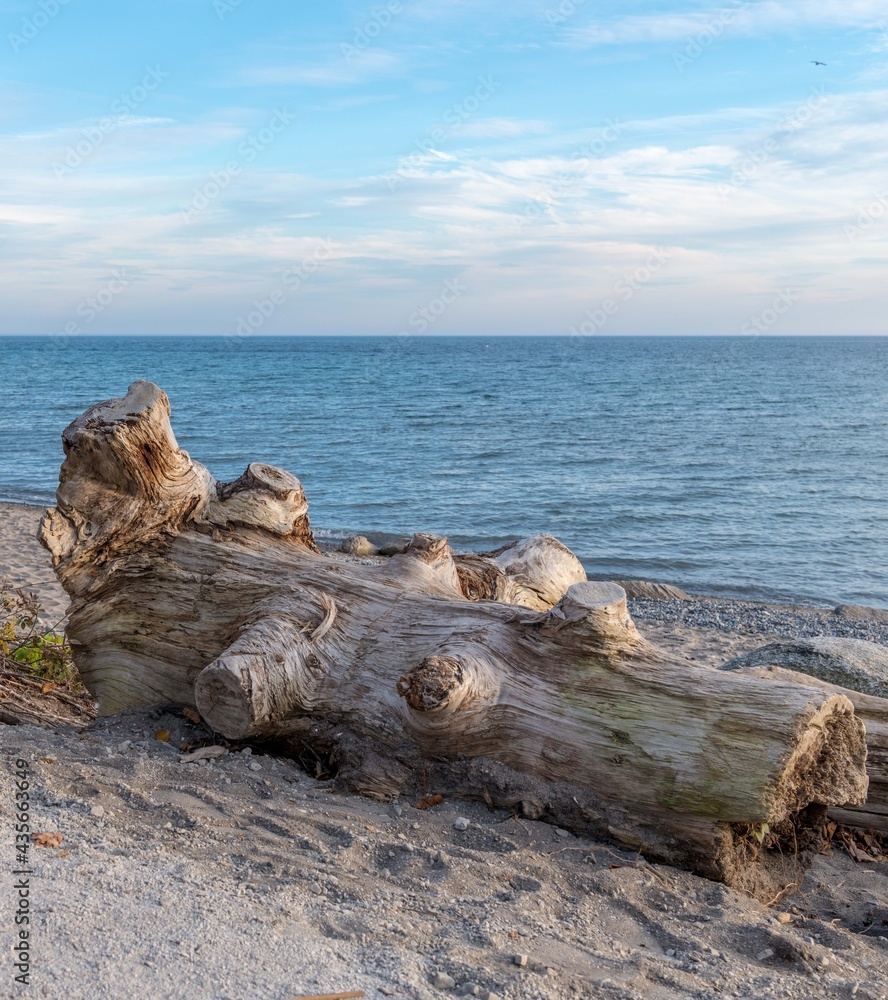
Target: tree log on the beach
[(507, 676)]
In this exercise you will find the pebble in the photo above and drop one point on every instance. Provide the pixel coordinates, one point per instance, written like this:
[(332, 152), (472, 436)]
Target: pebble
[(462, 823), (97, 811), (443, 982), (520, 960), (255, 766), (561, 833), (764, 955), (784, 918)]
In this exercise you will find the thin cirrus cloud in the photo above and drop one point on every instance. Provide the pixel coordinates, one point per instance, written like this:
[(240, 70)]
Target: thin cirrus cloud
[(501, 128), (741, 18), (336, 71)]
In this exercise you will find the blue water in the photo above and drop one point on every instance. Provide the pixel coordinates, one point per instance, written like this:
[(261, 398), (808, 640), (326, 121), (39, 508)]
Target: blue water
[(746, 466)]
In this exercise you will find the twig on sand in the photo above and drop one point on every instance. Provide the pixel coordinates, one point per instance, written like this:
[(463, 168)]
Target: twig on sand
[(551, 854), (333, 996), (642, 866), (783, 891)]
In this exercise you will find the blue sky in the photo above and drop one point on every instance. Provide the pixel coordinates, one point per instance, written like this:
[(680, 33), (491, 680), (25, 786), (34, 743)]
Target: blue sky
[(446, 167)]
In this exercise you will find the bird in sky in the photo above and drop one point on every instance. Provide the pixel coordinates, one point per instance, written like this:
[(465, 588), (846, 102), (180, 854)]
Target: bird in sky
[(817, 62)]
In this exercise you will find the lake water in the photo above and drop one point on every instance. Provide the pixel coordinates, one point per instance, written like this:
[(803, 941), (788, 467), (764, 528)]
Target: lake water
[(749, 466)]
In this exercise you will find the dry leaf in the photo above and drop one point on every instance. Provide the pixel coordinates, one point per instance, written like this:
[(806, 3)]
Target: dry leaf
[(47, 760), (429, 801), (47, 687), (47, 839), (191, 715), (162, 735), (372, 829), (856, 852)]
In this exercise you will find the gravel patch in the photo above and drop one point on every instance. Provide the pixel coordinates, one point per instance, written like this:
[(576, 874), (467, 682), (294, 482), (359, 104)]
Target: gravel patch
[(753, 618)]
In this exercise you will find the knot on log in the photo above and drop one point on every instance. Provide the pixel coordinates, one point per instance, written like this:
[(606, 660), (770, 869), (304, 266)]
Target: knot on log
[(125, 483), (431, 549), (127, 445), (435, 685), (434, 551), (597, 613), (538, 571), (271, 671), (263, 497), (428, 558)]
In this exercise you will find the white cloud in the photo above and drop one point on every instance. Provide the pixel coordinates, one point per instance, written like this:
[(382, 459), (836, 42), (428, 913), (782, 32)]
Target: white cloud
[(501, 128), (756, 17), (539, 238), (336, 71)]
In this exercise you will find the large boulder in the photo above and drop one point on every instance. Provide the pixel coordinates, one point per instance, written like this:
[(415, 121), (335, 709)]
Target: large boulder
[(647, 590), (862, 613), (358, 545), (395, 547), (849, 663)]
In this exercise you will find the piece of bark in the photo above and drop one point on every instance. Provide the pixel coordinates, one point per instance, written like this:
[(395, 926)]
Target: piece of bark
[(538, 693)]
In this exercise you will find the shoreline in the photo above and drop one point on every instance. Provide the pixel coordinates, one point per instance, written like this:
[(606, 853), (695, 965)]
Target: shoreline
[(329, 542)]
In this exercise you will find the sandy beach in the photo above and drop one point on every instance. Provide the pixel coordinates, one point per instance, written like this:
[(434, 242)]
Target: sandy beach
[(24, 564), (243, 877)]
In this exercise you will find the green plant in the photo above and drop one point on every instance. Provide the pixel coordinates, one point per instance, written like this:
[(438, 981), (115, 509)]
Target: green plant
[(29, 648)]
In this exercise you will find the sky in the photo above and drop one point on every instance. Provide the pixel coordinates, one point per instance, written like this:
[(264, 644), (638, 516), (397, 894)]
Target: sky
[(444, 167)]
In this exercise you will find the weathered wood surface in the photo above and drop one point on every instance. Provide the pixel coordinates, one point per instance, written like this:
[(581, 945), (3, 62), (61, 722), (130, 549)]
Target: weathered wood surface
[(777, 661), (537, 693)]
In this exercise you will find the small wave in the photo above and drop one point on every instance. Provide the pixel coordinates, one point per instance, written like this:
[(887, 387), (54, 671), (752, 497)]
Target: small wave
[(27, 498)]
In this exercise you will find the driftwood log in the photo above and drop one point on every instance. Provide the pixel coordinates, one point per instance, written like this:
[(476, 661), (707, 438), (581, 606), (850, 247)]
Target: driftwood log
[(507, 677)]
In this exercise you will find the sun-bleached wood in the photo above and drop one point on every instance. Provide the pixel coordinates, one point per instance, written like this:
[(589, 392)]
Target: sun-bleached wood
[(506, 676), (871, 710)]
